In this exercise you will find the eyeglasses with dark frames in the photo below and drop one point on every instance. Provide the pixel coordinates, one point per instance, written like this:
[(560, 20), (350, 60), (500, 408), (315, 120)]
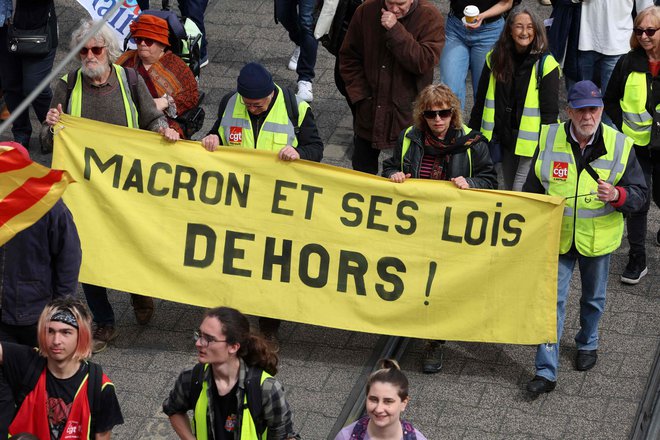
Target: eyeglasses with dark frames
[(648, 31), (205, 340), (432, 114), (96, 50), (147, 41)]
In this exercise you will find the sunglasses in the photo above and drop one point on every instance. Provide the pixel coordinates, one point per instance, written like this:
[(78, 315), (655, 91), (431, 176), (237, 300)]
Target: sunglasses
[(648, 31), (432, 114), (147, 41), (96, 50)]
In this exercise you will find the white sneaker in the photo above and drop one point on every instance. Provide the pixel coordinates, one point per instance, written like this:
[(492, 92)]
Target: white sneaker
[(305, 91), (293, 61), (545, 2)]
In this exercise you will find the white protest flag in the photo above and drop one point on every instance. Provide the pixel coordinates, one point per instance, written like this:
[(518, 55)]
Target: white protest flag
[(128, 11)]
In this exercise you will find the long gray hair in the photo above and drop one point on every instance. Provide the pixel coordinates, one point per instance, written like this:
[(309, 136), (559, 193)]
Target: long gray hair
[(105, 35)]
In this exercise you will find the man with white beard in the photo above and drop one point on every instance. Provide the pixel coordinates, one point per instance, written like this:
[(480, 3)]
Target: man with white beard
[(594, 168), (105, 92)]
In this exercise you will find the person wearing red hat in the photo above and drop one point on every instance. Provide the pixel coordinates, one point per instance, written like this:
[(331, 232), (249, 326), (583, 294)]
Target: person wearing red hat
[(169, 80)]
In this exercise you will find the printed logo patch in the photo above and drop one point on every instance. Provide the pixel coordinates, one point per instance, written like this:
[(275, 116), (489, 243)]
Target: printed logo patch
[(560, 170), (235, 135)]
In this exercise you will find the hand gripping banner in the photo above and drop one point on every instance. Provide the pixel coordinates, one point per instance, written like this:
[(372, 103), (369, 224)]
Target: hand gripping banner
[(309, 242)]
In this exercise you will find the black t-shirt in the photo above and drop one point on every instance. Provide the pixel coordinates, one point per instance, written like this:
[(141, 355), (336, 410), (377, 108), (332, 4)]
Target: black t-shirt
[(457, 6), (224, 413), (17, 360)]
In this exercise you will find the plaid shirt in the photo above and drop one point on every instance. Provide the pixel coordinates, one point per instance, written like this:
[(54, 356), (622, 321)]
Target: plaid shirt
[(276, 411)]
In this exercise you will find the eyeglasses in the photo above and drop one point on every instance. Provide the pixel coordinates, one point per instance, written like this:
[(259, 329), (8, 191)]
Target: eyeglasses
[(648, 31), (432, 114), (205, 340), (147, 41), (96, 50)]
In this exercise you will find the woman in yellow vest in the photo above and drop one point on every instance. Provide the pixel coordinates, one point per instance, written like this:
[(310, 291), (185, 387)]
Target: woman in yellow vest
[(232, 391), (518, 91), (632, 101), (440, 147)]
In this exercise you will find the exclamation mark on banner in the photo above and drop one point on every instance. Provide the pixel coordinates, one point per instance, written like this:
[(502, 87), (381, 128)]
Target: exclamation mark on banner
[(432, 266)]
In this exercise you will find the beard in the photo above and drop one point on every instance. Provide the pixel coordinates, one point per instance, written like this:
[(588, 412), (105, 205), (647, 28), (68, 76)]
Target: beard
[(95, 72)]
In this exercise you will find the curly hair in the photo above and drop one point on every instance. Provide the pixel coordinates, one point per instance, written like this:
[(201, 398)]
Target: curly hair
[(436, 96), (391, 373), (651, 11), (254, 349), (84, 318), (501, 60), (105, 35)]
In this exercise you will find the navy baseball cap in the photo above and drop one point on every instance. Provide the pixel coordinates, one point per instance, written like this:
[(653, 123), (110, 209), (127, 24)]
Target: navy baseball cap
[(585, 94)]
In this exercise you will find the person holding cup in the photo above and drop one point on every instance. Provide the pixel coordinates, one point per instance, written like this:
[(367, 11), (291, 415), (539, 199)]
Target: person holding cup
[(518, 91), (472, 28)]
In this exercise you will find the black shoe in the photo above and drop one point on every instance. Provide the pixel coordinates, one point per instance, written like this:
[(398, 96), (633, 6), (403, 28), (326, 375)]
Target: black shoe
[(585, 359), (432, 357), (540, 385), (635, 270)]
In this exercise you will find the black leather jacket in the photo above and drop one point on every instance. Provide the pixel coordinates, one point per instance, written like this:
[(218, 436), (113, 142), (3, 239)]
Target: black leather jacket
[(481, 174)]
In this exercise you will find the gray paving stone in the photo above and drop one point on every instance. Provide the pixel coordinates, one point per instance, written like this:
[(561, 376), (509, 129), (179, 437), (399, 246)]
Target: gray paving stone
[(479, 394), (548, 426)]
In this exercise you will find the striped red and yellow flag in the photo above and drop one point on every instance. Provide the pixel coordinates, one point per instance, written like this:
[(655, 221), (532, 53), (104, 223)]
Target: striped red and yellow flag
[(27, 191)]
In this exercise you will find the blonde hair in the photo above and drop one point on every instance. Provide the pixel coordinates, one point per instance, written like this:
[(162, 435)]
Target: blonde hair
[(651, 11)]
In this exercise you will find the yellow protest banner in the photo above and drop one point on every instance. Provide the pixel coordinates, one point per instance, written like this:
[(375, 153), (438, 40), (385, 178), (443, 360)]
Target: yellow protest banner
[(308, 242)]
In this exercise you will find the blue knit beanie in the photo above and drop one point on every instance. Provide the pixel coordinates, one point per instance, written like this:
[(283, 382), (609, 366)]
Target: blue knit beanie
[(254, 81)]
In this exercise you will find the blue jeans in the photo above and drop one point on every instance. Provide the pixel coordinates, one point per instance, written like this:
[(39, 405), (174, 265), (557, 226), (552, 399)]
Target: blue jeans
[(597, 67), (296, 17), (593, 276), (466, 49)]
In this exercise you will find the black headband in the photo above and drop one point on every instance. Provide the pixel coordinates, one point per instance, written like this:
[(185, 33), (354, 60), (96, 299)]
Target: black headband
[(66, 317)]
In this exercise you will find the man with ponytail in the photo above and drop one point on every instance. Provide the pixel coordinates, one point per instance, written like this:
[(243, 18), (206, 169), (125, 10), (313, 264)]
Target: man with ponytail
[(232, 391), (59, 394)]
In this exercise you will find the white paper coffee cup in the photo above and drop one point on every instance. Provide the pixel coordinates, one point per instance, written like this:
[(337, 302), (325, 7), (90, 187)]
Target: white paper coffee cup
[(471, 14)]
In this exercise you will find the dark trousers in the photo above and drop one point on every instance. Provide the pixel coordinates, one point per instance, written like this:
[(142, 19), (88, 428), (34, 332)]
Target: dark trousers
[(97, 300), (365, 157), (637, 221), (20, 74), (195, 9), (19, 334), (297, 18)]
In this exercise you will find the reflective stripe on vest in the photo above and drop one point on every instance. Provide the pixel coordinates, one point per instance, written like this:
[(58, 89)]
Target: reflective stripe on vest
[(406, 145), (595, 227), (276, 133), (74, 107), (636, 120), (199, 423), (530, 121)]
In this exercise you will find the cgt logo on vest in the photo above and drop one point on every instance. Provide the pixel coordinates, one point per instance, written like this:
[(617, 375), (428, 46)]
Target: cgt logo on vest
[(235, 135), (560, 170)]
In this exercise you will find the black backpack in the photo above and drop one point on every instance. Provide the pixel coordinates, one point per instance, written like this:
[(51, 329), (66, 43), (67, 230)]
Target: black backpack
[(252, 389), (94, 386)]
